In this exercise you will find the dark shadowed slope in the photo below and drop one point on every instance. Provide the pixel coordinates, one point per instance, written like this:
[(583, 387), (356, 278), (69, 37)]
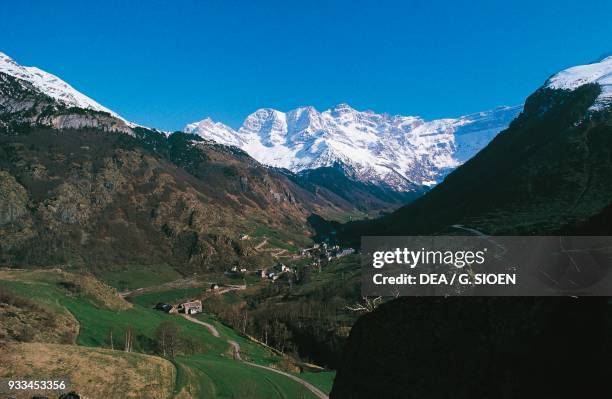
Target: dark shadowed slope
[(477, 348)]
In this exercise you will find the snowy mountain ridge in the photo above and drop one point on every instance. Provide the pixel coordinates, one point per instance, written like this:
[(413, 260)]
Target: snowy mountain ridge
[(53, 86), (402, 152), (599, 72)]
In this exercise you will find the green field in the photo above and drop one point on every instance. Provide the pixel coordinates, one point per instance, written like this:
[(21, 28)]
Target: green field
[(216, 378), (212, 372), (321, 379), (139, 276)]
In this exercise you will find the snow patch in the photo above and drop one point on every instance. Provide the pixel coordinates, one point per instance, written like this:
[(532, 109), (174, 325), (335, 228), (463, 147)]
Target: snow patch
[(599, 73)]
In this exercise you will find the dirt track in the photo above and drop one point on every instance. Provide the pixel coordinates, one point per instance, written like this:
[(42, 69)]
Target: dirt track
[(236, 350)]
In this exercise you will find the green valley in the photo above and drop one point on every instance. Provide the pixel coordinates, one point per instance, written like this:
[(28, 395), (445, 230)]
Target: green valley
[(205, 365)]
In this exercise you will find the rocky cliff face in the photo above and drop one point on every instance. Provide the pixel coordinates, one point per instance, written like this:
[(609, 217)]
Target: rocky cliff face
[(15, 199), (15, 218)]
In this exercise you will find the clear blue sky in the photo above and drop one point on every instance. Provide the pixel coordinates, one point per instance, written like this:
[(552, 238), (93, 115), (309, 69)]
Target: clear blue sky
[(166, 63)]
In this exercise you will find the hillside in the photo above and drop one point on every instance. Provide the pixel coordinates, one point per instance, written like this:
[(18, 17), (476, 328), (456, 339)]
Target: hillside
[(204, 364), (81, 197), (90, 370), (369, 198)]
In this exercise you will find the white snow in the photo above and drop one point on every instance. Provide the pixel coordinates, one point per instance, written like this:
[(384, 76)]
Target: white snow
[(397, 150), (599, 73), (52, 86)]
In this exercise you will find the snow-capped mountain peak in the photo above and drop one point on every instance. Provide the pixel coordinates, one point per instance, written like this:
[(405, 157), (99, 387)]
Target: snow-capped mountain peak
[(215, 131), (598, 72), (398, 151), (52, 86)]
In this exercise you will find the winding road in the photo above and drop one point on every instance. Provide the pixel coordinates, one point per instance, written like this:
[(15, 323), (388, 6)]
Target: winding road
[(210, 327), (316, 391), (236, 350), (193, 282)]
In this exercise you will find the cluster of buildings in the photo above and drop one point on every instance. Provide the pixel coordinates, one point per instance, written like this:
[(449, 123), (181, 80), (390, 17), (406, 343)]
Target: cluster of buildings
[(326, 252), (236, 271), (318, 252), (189, 307), (277, 271)]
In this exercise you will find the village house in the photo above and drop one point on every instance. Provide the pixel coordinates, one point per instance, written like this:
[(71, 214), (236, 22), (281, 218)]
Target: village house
[(345, 252), (237, 270), (191, 307)]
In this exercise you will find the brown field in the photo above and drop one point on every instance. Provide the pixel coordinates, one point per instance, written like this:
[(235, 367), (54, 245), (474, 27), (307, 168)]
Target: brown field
[(94, 373)]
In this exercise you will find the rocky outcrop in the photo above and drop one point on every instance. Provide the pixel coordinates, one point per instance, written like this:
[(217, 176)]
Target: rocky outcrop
[(99, 121), (15, 218), (14, 199)]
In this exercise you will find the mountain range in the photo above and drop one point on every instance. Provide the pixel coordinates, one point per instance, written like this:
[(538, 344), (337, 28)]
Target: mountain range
[(366, 161), (82, 187), (86, 186), (548, 170), (403, 153)]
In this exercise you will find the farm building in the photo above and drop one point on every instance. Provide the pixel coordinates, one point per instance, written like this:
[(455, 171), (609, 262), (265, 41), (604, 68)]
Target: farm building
[(191, 307)]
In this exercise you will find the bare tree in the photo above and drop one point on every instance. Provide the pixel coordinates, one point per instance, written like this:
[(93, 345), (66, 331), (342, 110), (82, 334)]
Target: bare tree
[(110, 333), (167, 336), (129, 336), (281, 335), (367, 305), (244, 318)]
